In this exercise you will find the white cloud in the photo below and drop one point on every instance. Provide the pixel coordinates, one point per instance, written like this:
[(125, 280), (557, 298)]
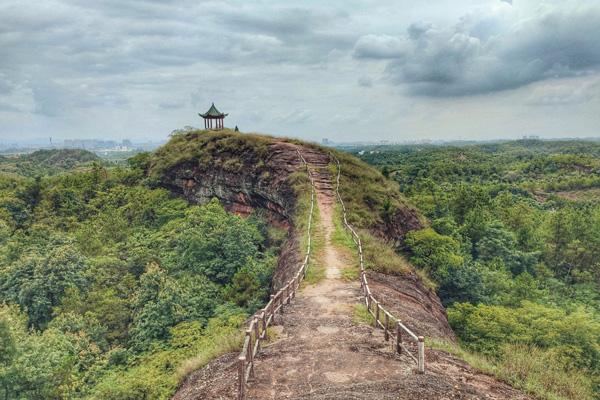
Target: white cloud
[(376, 69), (483, 53)]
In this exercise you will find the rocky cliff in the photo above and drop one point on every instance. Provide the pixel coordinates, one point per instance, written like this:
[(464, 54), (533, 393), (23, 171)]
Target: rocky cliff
[(252, 172)]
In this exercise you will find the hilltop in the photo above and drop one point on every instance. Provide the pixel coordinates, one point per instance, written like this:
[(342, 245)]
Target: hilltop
[(136, 282), (254, 172), (47, 162), (250, 172)]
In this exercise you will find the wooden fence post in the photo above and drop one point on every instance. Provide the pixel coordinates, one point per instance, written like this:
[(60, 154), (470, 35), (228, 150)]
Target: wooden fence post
[(256, 334), (250, 356), (398, 337), (280, 299), (264, 325), (421, 347), (376, 312), (242, 378), (386, 333)]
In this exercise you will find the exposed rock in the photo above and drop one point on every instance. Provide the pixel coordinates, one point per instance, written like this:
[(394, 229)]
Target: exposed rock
[(403, 221), (418, 306), (322, 352), (242, 186)]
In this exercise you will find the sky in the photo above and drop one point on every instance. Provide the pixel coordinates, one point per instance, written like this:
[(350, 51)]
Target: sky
[(346, 70)]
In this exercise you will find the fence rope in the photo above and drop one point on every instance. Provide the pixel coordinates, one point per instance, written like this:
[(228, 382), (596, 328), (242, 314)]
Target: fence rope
[(382, 317), (256, 331)]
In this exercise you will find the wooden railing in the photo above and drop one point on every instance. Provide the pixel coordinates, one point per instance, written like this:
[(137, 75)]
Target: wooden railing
[(256, 331), (393, 327)]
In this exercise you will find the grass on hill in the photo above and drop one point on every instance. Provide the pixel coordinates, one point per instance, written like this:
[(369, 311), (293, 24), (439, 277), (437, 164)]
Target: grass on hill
[(526, 368), (367, 202), (209, 148), (378, 255)]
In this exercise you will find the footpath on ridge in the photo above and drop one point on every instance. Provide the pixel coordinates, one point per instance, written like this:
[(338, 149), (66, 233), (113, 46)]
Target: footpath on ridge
[(321, 352)]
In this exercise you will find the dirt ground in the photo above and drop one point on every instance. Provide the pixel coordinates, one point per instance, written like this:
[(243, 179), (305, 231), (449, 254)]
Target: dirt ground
[(322, 352)]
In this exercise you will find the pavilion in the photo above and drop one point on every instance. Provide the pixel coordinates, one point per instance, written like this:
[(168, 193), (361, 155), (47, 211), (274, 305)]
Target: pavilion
[(213, 114)]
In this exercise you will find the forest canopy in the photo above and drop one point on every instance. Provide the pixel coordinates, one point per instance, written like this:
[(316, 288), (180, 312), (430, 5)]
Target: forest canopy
[(513, 247), (108, 285)]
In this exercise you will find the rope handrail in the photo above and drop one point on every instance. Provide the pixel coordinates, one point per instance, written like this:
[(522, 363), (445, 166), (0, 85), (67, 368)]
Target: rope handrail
[(373, 306), (256, 331)]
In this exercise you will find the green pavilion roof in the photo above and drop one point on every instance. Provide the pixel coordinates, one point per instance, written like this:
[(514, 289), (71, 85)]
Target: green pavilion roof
[(213, 112)]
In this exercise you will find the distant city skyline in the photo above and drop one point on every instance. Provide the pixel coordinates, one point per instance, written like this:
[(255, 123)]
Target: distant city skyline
[(348, 71)]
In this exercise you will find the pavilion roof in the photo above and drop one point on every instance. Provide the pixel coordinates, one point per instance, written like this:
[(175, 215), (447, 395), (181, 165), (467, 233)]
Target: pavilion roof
[(213, 112)]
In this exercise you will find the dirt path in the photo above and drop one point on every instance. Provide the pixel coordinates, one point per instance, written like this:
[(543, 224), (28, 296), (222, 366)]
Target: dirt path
[(322, 352)]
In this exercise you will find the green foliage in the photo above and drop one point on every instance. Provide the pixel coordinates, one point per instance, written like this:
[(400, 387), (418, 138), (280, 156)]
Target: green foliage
[(528, 368), (207, 149), (362, 315), (47, 162), (37, 282), (574, 336), (214, 243), (112, 288), (373, 202), (432, 250), (512, 252)]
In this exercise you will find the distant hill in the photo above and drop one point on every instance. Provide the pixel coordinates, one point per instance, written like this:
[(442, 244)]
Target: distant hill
[(47, 162), (61, 158)]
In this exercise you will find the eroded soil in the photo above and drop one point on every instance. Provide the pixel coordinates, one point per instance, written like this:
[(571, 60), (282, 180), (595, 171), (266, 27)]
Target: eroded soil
[(322, 352)]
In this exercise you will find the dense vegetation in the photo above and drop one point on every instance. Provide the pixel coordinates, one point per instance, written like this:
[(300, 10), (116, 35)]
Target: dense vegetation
[(513, 249), (46, 162), (111, 288), (371, 202)]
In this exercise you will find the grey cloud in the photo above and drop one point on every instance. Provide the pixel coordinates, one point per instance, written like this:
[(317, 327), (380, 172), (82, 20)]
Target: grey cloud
[(6, 86), (562, 94), (8, 107), (381, 47), (365, 81), (459, 61), (279, 23), (284, 66), (172, 105), (52, 99)]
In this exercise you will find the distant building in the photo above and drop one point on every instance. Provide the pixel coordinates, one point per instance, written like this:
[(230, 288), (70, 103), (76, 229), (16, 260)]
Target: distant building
[(326, 142), (89, 144)]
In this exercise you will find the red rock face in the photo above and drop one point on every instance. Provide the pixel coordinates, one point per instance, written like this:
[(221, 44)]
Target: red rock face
[(251, 184), (259, 182)]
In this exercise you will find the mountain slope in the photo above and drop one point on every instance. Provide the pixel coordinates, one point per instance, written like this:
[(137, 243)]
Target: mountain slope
[(321, 351)]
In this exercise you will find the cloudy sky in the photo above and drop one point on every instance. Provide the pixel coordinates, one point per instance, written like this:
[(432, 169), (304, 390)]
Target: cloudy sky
[(342, 69)]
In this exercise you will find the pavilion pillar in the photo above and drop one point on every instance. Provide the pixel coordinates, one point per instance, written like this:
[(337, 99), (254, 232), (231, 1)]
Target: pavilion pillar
[(213, 119)]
